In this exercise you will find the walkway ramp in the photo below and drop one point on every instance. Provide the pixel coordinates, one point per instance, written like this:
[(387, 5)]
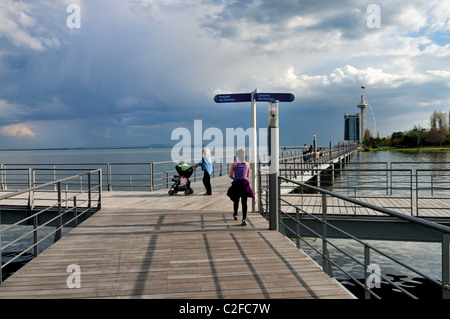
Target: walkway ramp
[(151, 245)]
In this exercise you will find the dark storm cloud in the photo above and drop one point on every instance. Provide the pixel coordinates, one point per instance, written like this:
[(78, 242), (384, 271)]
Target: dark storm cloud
[(137, 68)]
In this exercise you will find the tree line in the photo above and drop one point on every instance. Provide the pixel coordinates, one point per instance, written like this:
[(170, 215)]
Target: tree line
[(437, 135)]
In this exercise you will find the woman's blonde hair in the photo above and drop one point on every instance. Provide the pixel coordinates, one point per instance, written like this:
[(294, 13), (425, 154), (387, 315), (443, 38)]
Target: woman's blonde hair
[(206, 151), (240, 155)]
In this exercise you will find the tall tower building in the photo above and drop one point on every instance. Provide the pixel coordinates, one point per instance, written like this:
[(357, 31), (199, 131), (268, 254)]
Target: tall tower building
[(362, 105)]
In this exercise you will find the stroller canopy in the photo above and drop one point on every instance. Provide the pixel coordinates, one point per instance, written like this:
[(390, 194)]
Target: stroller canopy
[(185, 170)]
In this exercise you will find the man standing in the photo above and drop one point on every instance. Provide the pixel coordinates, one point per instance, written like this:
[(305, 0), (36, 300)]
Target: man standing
[(305, 150)]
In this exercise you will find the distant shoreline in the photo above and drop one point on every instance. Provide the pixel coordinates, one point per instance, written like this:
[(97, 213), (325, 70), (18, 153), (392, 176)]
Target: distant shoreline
[(85, 148)]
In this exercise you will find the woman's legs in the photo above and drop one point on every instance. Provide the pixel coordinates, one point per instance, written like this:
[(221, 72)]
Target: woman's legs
[(207, 183), (244, 209), (235, 208)]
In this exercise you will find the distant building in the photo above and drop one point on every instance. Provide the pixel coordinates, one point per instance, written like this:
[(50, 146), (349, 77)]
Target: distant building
[(351, 127)]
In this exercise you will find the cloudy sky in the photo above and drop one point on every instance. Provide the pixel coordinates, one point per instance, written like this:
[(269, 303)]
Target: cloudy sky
[(135, 70)]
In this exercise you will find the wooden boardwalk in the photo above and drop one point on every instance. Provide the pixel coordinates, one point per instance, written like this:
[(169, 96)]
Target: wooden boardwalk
[(150, 245)]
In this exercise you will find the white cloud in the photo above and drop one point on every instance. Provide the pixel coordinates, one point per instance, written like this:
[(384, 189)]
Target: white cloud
[(411, 18), (25, 20), (33, 25), (439, 73), (439, 16), (350, 76), (16, 20), (20, 130)]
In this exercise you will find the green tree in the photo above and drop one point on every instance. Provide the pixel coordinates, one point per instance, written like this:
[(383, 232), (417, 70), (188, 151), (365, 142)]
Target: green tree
[(439, 128), (412, 139), (438, 121)]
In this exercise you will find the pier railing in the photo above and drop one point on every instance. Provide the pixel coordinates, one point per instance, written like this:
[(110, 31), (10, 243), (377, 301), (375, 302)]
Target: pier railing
[(413, 190), (52, 209), (126, 176), (370, 258), (147, 176)]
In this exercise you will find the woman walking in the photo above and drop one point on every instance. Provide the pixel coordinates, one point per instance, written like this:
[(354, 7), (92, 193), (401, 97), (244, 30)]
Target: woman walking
[(208, 169), (240, 187)]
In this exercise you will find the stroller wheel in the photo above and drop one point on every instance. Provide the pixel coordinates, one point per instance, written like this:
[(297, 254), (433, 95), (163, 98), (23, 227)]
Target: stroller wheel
[(171, 192)]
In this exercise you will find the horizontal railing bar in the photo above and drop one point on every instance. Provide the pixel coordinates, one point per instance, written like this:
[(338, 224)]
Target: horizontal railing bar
[(47, 184), (352, 170), (374, 207)]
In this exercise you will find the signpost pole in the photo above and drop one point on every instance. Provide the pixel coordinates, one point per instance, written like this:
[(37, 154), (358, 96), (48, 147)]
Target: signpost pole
[(274, 191), (254, 152)]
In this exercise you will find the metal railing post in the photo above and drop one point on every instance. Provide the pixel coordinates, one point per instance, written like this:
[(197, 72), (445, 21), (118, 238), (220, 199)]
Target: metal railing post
[(152, 178), (390, 175), (259, 189), (366, 274), (167, 179), (5, 184), (31, 193), (1, 180), (99, 203), (35, 236), (75, 210), (278, 200), (431, 184), (387, 181), (417, 194), (411, 191), (325, 262), (59, 219), (445, 265), (108, 176), (54, 175), (89, 196), (297, 219)]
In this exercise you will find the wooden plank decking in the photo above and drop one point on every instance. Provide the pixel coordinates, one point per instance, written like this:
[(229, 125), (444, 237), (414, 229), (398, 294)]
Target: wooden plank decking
[(150, 245)]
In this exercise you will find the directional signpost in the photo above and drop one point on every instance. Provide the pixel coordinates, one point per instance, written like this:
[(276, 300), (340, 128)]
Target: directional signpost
[(281, 97), (258, 97), (232, 98), (253, 97)]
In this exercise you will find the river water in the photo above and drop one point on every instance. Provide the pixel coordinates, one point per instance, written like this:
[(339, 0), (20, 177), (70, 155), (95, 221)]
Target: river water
[(420, 255), (426, 256)]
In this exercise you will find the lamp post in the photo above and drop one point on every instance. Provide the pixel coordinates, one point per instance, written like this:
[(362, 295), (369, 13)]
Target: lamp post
[(273, 135), (314, 154)]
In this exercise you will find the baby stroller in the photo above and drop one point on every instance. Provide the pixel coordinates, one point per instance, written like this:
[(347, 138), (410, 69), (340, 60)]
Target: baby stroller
[(181, 181)]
